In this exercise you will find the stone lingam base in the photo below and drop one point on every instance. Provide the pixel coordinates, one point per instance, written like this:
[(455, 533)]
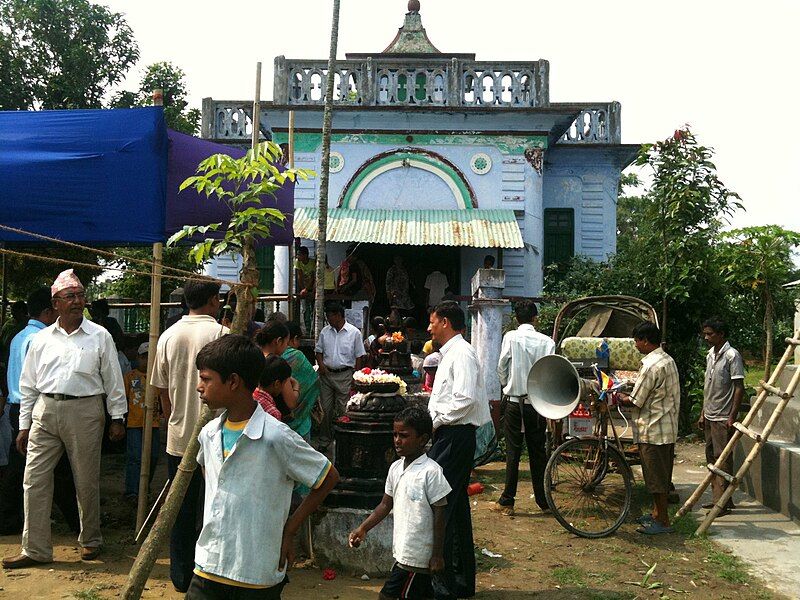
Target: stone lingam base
[(330, 528)]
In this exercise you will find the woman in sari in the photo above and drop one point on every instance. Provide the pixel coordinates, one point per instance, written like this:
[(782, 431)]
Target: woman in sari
[(306, 376)]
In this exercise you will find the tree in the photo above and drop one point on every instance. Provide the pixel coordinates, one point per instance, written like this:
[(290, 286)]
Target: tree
[(322, 224), (171, 80), (686, 205), (759, 260), (57, 54)]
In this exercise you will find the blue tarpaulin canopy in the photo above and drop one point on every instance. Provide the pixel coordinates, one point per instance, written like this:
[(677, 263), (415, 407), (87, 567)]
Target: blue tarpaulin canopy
[(107, 177), (90, 176)]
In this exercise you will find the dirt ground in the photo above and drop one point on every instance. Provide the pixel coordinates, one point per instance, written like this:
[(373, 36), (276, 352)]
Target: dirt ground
[(539, 559)]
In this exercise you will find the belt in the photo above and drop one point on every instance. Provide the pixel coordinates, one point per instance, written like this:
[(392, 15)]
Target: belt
[(339, 370), (516, 399), (68, 397)]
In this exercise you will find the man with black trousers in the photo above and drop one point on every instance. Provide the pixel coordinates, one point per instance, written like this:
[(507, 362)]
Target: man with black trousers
[(520, 351), (457, 406)]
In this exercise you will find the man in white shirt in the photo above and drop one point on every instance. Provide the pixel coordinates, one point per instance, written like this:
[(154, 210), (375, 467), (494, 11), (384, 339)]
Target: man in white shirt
[(339, 351), (521, 349), (457, 406), (175, 374), (436, 284), (69, 366)]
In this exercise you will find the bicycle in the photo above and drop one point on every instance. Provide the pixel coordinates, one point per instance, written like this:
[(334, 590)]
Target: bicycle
[(588, 482)]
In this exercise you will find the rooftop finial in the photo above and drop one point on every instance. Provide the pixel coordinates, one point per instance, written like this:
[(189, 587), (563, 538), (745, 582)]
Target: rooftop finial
[(413, 6)]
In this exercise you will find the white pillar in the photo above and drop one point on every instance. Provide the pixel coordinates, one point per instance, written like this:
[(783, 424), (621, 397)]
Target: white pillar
[(281, 274), (487, 310)]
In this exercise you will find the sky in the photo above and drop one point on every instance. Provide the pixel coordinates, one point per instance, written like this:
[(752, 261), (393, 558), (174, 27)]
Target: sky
[(727, 68)]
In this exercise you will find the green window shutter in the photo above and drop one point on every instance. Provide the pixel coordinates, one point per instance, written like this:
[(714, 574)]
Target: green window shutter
[(265, 257), (559, 235)]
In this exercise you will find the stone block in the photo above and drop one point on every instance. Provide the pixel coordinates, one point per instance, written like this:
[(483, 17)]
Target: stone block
[(330, 528), (774, 477), (488, 283)]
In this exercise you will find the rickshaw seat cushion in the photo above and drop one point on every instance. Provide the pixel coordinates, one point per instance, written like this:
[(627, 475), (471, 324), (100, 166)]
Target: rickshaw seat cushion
[(622, 351)]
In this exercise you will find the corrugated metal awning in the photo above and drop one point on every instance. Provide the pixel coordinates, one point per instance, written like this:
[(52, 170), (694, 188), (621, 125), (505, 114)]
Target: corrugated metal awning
[(475, 228)]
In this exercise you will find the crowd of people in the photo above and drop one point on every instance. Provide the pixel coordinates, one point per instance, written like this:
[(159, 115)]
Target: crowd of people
[(66, 387)]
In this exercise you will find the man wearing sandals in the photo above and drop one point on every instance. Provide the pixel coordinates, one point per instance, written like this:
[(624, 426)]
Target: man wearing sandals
[(657, 394)]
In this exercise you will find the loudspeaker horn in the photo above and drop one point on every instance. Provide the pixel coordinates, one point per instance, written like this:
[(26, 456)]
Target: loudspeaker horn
[(554, 387)]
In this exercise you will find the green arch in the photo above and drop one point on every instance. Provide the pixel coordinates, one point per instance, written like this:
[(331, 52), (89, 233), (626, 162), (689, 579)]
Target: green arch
[(448, 174)]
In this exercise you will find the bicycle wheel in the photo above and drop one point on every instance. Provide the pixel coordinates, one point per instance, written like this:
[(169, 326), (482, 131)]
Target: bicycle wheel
[(588, 486)]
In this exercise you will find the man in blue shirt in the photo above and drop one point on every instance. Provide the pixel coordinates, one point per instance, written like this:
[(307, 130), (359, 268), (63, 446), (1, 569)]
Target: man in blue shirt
[(40, 307)]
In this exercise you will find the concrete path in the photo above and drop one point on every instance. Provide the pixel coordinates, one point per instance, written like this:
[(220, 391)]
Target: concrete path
[(768, 541)]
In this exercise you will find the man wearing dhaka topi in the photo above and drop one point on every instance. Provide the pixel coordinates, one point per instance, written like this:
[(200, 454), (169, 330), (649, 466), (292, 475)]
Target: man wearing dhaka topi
[(70, 365)]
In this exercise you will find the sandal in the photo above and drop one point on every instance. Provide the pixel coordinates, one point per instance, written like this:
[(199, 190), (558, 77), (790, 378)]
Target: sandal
[(655, 528)]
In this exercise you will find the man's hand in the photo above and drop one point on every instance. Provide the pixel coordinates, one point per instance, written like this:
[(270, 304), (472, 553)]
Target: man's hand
[(322, 369), (116, 431), (22, 441), (436, 564), (356, 537), (731, 420), (701, 422), (286, 558)]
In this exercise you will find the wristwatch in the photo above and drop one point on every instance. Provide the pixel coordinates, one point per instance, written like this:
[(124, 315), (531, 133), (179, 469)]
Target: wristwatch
[(120, 420)]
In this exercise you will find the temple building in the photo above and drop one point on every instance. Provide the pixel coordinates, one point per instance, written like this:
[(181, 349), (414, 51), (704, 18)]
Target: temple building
[(441, 158)]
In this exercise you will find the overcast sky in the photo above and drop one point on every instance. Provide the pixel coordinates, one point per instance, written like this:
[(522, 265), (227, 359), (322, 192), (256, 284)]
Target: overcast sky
[(728, 68)]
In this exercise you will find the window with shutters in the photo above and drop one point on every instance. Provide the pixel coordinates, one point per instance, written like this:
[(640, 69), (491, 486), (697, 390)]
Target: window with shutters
[(559, 235)]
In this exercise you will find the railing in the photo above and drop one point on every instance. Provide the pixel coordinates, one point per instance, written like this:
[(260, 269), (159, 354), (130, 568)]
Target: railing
[(597, 124), (413, 82)]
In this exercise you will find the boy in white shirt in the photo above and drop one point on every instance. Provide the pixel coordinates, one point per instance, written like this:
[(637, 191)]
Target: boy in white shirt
[(417, 490), (247, 545)]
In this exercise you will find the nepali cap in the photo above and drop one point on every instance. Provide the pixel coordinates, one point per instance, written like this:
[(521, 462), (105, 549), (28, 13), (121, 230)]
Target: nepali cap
[(66, 279)]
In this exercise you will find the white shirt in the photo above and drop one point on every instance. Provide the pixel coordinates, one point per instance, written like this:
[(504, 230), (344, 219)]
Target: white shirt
[(436, 282), (247, 505), (81, 363), (340, 348), (458, 396), (174, 370), (413, 491), (520, 351)]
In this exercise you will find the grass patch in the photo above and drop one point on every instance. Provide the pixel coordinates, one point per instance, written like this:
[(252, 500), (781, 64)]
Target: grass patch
[(569, 576), (685, 525), (725, 566)]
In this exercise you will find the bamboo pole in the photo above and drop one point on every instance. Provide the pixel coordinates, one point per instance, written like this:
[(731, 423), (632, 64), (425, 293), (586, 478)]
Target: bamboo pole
[(322, 226), (291, 287), (754, 408), (150, 391)]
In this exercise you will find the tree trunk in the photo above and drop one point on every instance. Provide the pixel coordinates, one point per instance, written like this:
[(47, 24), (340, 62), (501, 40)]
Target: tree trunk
[(768, 331), (663, 324), (151, 548), (148, 553), (245, 301), (322, 226)]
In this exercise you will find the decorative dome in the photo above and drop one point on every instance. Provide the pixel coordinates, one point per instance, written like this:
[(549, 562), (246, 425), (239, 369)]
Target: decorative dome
[(411, 38)]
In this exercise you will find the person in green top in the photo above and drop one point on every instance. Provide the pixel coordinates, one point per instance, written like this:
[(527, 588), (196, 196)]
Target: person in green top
[(274, 339)]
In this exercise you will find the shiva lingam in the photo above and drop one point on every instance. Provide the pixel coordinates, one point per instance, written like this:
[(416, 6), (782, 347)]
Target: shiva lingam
[(364, 445)]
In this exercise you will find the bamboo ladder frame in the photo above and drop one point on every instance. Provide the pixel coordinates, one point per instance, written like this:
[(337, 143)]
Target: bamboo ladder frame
[(765, 389)]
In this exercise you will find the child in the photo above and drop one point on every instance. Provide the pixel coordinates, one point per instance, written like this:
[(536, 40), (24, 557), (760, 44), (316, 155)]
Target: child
[(135, 381), (242, 547), (277, 391), (417, 490)]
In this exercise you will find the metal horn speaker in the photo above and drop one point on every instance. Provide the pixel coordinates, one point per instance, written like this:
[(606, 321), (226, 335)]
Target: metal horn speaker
[(554, 387)]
